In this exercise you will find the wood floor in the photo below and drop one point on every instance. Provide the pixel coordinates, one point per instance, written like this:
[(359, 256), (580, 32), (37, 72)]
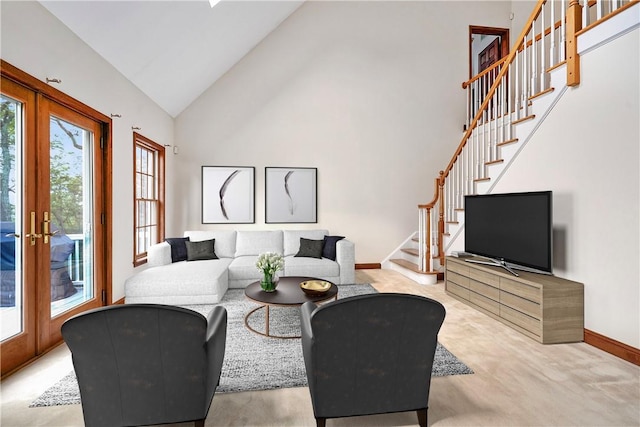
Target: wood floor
[(517, 382)]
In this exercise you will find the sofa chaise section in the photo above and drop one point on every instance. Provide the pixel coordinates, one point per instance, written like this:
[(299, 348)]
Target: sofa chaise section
[(183, 282), (180, 283)]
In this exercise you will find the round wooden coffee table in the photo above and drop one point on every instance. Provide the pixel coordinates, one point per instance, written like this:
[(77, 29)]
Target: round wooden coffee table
[(287, 294)]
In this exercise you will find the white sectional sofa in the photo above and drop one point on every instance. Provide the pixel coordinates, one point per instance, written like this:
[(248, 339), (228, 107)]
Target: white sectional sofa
[(206, 281)]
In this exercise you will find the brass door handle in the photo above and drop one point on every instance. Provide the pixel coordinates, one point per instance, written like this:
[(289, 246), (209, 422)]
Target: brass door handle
[(45, 228), (33, 235)]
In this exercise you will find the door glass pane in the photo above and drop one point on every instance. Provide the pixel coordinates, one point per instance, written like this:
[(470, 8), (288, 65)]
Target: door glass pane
[(71, 215), (11, 289)]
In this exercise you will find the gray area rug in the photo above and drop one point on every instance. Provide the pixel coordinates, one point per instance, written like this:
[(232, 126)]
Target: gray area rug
[(254, 362)]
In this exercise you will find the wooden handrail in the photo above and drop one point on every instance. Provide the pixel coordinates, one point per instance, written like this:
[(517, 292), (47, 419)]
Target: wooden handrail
[(483, 72), (433, 202), (609, 16), (496, 83)]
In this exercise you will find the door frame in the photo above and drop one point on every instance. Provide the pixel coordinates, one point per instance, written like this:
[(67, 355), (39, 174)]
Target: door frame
[(503, 33), (49, 327), (104, 144)]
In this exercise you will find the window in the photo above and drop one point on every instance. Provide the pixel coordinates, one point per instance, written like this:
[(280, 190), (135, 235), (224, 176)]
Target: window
[(148, 203)]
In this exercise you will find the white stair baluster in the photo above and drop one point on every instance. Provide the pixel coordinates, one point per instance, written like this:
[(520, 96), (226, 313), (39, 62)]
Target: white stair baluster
[(552, 34), (599, 9), (563, 30), (534, 62), (543, 53)]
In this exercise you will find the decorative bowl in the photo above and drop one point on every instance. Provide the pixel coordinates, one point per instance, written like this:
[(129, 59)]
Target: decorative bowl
[(315, 288)]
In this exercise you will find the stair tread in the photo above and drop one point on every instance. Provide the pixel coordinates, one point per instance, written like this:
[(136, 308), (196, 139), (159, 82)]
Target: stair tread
[(509, 141), (524, 119), (411, 266), (411, 251)]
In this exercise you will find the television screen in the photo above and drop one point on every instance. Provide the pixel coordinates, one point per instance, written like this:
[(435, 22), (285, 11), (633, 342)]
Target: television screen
[(515, 228)]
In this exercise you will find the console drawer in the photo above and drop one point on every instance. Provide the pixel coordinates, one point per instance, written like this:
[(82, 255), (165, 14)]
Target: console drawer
[(520, 289), (484, 277), (517, 318), (458, 268), (458, 290), (484, 289), (484, 302), (458, 279), (520, 304)]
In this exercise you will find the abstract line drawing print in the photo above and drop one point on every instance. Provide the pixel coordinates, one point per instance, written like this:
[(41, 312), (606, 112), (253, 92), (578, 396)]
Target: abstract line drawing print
[(223, 190), (290, 195), (286, 189), (228, 195)]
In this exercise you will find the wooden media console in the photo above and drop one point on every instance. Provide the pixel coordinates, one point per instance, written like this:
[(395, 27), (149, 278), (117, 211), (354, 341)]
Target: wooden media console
[(544, 307)]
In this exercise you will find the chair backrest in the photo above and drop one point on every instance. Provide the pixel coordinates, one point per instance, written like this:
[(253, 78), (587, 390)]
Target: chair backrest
[(139, 364), (373, 354)]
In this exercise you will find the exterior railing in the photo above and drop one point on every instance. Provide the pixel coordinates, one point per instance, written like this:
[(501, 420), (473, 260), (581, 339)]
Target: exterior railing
[(75, 261)]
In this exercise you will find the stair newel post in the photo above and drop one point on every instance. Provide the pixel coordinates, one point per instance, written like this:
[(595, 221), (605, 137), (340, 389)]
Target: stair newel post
[(441, 218), (574, 24)]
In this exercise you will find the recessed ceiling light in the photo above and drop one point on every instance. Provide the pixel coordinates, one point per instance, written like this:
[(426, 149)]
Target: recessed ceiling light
[(214, 2)]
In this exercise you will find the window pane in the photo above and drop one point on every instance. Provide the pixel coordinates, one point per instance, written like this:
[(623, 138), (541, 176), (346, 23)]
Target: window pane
[(151, 170), (138, 156), (71, 184), (11, 313), (143, 187), (142, 222), (153, 233), (140, 243), (151, 193), (153, 214), (138, 185), (143, 161)]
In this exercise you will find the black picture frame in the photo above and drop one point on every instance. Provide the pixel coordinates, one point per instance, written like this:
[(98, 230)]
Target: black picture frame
[(291, 195), (228, 194)]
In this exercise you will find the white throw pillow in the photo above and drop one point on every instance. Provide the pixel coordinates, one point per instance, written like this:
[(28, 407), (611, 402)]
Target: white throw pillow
[(257, 242)]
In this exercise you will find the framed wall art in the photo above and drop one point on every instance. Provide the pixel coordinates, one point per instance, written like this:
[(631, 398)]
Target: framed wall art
[(228, 195), (291, 195)]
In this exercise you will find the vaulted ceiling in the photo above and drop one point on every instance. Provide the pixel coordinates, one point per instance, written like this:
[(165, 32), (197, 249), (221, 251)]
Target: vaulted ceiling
[(172, 50)]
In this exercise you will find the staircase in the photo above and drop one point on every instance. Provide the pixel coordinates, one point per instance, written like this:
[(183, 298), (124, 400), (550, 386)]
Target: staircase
[(506, 105)]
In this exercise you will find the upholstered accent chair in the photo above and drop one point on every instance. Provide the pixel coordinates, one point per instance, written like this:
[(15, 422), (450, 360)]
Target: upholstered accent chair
[(143, 364), (370, 354)]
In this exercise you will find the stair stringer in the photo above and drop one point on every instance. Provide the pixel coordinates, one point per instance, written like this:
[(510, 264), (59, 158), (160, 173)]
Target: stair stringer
[(541, 107), (398, 253)]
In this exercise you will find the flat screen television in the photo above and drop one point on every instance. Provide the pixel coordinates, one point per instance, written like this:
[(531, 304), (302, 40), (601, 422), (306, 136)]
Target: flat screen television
[(513, 230)]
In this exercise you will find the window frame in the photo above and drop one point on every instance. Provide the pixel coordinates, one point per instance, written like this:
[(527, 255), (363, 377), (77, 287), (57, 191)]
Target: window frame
[(140, 141)]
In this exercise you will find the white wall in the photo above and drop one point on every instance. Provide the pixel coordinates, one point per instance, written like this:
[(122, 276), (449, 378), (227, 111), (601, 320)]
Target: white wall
[(587, 153), (367, 92), (36, 42), (521, 10)]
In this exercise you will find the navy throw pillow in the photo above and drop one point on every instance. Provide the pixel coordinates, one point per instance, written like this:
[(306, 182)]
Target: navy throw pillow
[(178, 248), (329, 248)]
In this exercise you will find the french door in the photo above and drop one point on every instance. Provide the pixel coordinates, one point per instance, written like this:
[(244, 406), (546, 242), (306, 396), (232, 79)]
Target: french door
[(53, 239)]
